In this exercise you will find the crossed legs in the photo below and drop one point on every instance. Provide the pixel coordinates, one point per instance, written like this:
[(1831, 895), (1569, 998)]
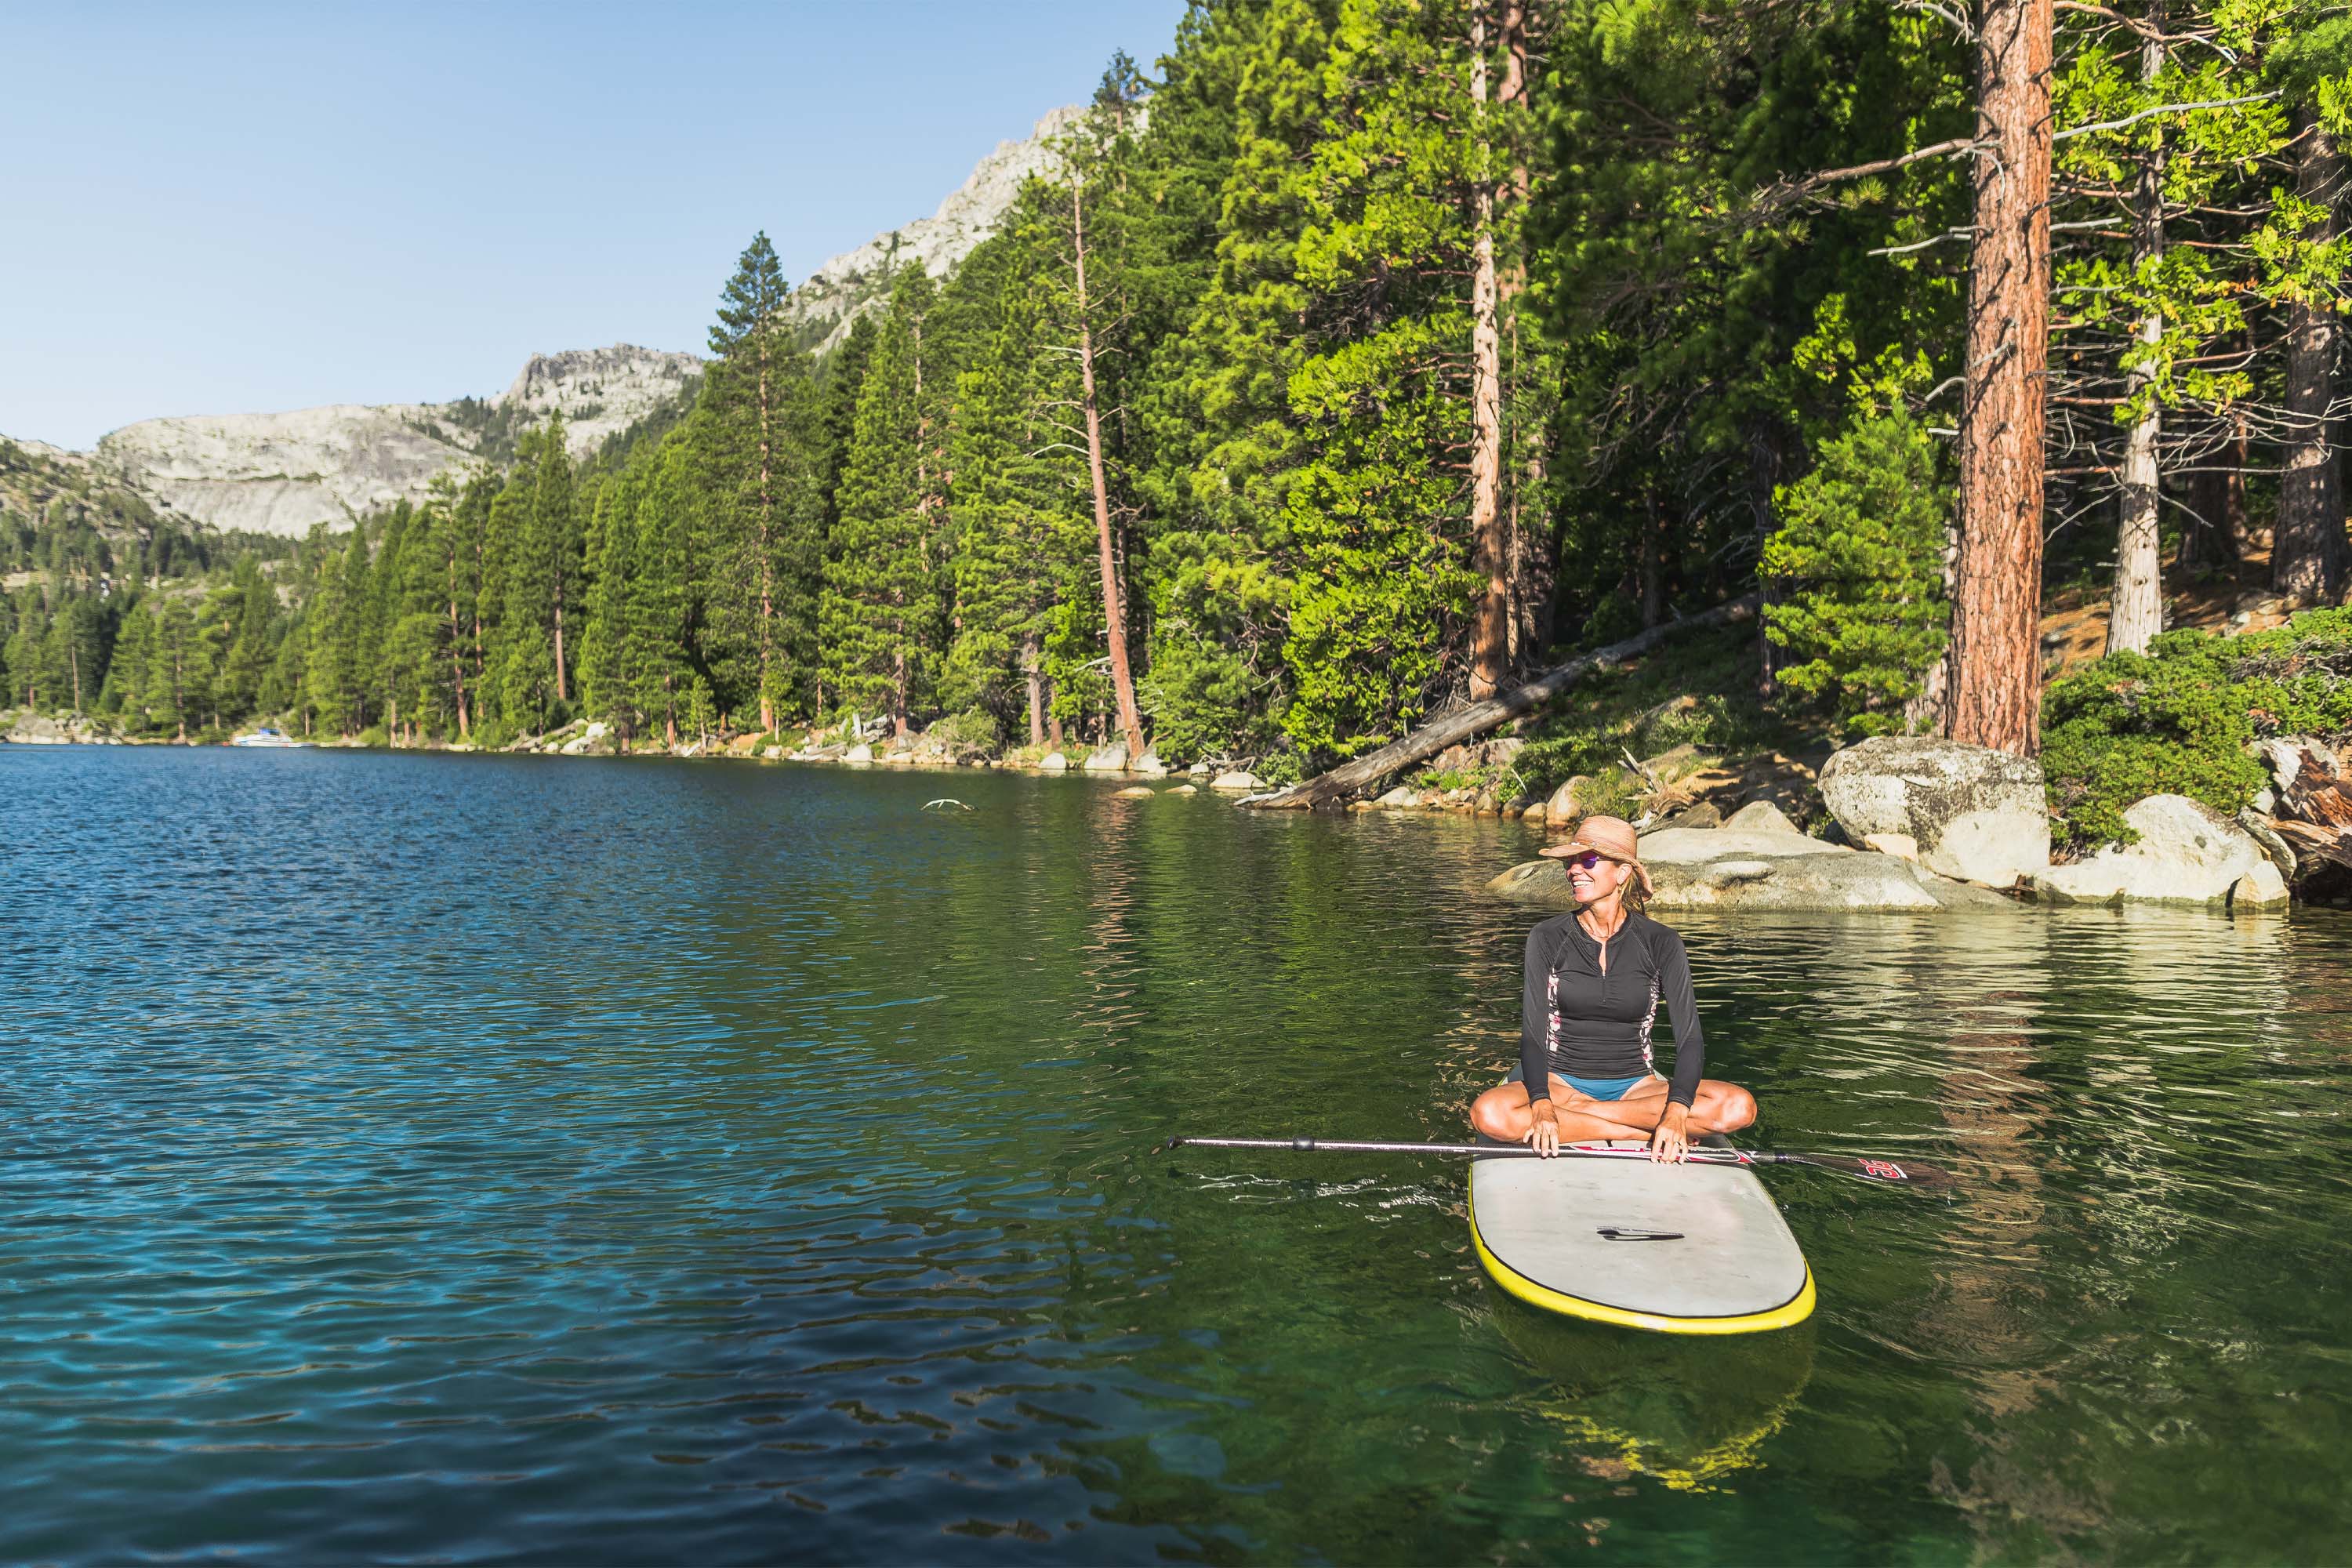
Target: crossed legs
[(1502, 1113)]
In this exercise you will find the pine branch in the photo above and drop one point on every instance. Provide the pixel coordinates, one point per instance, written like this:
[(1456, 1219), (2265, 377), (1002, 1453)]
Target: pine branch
[(2137, 117), (1787, 190)]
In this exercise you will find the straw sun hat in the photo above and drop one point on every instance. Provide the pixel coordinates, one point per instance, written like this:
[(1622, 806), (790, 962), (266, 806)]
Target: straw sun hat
[(1610, 836)]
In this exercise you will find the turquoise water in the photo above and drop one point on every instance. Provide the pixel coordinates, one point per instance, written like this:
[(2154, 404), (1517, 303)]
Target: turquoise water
[(483, 1159)]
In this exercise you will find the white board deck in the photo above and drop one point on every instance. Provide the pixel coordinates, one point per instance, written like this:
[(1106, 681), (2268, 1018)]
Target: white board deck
[(1695, 1248)]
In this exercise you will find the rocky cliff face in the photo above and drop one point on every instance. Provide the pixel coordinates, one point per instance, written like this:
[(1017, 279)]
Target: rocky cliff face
[(842, 290), (602, 392), (279, 473)]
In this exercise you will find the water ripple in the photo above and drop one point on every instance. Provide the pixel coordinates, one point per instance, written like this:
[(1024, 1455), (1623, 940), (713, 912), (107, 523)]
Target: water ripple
[(483, 1159)]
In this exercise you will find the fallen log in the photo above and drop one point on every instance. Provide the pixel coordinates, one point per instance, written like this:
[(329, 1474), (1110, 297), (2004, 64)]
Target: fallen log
[(1452, 728), (2313, 812)]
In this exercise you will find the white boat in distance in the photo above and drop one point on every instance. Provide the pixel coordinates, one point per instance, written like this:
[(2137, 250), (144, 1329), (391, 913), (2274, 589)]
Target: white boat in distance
[(268, 737)]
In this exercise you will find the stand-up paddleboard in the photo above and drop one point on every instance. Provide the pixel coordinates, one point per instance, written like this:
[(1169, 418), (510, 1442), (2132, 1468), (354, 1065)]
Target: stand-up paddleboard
[(1678, 1249)]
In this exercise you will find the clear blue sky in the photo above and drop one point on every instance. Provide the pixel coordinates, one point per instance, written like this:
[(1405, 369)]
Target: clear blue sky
[(208, 209)]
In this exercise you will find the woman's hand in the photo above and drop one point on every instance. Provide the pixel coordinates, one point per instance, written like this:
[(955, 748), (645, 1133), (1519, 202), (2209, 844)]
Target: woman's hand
[(1669, 1142), (1543, 1136)]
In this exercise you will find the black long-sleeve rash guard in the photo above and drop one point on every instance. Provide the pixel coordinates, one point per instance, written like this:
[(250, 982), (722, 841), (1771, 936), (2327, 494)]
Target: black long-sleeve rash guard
[(1575, 1019)]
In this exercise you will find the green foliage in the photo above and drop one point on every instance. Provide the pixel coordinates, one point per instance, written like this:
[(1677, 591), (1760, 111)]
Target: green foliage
[(2179, 720), (1700, 692), (1712, 369), (975, 732), (1859, 557), (882, 583)]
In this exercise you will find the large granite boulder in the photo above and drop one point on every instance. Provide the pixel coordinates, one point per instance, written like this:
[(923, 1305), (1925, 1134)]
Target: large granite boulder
[(1975, 814), (594, 740), (2188, 853), (1764, 869), (37, 730), (1110, 759)]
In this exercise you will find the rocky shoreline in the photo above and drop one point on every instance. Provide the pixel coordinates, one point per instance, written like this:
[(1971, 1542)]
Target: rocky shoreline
[(1898, 824), (1925, 823)]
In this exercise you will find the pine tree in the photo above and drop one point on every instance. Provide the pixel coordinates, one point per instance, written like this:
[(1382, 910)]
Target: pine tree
[(881, 608), (666, 593), (608, 683), (254, 645), (759, 418), (1018, 532)]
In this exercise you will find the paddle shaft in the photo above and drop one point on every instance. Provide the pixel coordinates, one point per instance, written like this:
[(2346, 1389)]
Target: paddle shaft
[(1851, 1165)]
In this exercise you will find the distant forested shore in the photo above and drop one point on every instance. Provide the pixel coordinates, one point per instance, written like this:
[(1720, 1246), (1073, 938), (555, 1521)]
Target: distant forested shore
[(1365, 356)]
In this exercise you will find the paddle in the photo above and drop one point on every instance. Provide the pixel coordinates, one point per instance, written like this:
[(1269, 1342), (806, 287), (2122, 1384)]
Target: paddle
[(1907, 1174)]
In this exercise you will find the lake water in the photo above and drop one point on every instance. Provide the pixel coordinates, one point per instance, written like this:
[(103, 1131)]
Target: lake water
[(477, 1159)]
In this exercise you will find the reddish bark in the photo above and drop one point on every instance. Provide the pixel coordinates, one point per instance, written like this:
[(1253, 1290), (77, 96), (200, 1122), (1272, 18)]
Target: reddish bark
[(1122, 679), (1996, 657)]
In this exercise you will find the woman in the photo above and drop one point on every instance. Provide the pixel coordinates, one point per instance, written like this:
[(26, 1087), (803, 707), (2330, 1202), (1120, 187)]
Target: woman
[(1594, 981)]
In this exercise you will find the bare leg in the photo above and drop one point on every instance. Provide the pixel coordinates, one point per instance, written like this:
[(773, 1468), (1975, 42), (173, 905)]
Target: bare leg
[(1502, 1112)]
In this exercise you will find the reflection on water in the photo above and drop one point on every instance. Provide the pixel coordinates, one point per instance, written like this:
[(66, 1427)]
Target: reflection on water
[(503, 1159), (1689, 1412)]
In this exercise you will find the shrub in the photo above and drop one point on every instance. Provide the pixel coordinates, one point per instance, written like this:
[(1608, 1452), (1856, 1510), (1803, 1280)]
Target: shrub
[(1860, 551), (2179, 718), (973, 730)]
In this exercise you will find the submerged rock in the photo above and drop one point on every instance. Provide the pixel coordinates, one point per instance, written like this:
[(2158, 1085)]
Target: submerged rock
[(2259, 888), (1245, 783), (1134, 792), (2188, 853), (1975, 814)]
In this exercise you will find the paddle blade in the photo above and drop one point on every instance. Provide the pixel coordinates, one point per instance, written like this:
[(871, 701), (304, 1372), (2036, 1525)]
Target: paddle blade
[(1905, 1174)]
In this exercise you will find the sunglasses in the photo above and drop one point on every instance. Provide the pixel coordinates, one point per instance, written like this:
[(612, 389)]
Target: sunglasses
[(1591, 859)]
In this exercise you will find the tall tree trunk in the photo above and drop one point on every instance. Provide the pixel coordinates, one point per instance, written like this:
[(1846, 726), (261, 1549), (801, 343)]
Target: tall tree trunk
[(767, 523), (2135, 604), (2215, 494), (1114, 617), (1653, 566), (1995, 691), (1490, 634), (456, 657), (1031, 670), (1531, 567), (1764, 463), (73, 662), (561, 693), (479, 682), (2309, 562)]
